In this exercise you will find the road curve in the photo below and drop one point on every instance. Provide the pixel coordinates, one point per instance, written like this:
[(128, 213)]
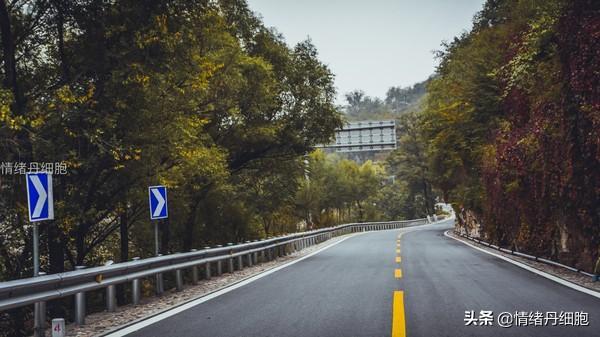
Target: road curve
[(348, 290)]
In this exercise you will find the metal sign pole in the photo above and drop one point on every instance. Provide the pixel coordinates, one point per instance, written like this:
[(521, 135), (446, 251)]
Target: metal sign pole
[(40, 206), (36, 250), (157, 200), (37, 308), (156, 246), (159, 279)]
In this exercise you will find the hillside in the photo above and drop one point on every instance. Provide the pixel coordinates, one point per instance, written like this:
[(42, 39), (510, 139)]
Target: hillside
[(397, 101)]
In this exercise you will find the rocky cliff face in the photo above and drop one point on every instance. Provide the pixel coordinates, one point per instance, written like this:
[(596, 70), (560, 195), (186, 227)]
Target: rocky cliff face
[(542, 181)]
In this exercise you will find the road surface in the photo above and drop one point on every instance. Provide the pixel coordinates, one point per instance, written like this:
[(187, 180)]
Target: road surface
[(371, 285)]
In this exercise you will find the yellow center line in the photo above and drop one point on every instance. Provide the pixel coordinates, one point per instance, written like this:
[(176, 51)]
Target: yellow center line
[(397, 251), (398, 273), (398, 259), (398, 322)]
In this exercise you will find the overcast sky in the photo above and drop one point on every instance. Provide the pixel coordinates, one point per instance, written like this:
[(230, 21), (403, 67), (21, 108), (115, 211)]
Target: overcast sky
[(371, 45)]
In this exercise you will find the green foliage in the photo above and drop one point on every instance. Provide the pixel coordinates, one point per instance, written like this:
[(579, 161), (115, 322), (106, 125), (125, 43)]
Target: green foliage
[(510, 127), (199, 96), (338, 190), (397, 101), (409, 166)]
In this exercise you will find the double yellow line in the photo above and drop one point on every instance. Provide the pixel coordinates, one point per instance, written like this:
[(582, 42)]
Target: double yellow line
[(398, 320)]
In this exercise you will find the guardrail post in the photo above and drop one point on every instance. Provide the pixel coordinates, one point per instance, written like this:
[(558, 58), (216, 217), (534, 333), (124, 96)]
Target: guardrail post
[(207, 271), (80, 304), (249, 259), (111, 298), (178, 280), (135, 288), (41, 316), (230, 265), (240, 262), (194, 271), (219, 267), (255, 257), (207, 268)]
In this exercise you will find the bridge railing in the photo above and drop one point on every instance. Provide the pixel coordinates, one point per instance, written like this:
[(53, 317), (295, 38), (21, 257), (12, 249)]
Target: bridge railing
[(213, 262)]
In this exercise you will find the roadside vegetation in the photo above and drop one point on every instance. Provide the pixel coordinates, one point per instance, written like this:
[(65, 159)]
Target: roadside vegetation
[(200, 96)]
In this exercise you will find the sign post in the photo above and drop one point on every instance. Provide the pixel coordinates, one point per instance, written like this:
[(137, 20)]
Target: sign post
[(40, 204), (157, 200)]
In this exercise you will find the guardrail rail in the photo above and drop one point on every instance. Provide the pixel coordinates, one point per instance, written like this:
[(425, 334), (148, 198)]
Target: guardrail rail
[(207, 262)]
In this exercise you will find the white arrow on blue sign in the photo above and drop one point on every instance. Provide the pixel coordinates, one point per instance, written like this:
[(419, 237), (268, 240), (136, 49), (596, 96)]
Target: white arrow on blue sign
[(39, 196), (157, 196)]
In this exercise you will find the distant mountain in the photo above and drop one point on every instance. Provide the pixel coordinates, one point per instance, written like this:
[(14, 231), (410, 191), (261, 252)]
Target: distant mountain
[(397, 101)]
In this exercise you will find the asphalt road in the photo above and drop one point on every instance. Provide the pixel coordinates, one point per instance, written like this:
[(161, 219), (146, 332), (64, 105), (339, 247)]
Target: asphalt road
[(348, 290)]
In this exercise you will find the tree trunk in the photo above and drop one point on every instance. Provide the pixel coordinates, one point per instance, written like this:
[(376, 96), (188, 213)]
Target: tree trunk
[(428, 207), (124, 235), (188, 235)]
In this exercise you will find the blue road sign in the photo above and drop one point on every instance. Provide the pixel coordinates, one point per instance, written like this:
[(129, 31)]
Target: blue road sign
[(39, 196), (157, 197)]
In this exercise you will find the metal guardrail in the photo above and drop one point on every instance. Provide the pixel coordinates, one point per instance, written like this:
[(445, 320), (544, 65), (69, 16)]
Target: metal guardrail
[(526, 256), (213, 261)]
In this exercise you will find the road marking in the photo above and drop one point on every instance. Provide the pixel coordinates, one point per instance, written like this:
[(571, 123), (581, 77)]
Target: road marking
[(397, 251), (144, 322), (531, 269), (398, 273), (398, 259), (398, 322)]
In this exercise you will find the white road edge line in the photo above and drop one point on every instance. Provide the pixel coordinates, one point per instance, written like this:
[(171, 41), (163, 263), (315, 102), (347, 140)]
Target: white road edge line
[(135, 327), (531, 269)]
